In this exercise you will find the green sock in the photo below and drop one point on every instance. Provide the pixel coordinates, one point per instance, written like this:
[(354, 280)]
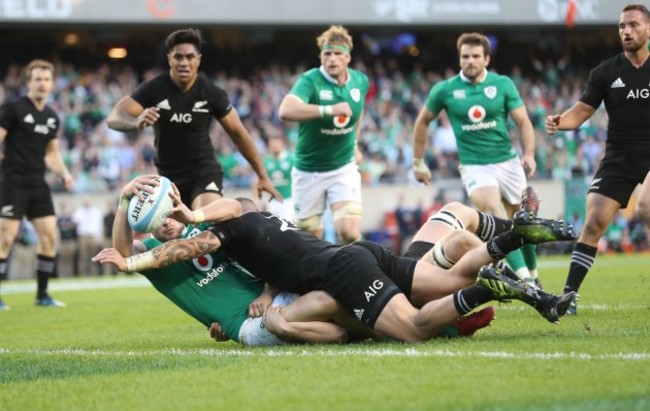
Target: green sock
[(529, 252), (516, 261)]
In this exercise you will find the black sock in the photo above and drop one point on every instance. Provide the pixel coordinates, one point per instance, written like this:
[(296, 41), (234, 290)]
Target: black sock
[(44, 268), (4, 268), (581, 261), (501, 245), (471, 297), (490, 226)]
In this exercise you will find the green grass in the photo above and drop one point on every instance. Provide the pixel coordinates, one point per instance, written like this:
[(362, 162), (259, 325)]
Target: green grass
[(129, 349)]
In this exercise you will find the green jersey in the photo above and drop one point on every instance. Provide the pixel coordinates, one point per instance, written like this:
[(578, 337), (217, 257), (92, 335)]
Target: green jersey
[(211, 288), (478, 114), (279, 171), (327, 143)]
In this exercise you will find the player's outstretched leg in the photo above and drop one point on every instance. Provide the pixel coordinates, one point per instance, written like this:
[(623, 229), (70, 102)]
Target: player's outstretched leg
[(549, 306), (537, 230)]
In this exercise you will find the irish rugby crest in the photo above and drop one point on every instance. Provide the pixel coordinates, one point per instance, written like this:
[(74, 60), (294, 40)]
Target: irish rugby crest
[(490, 92)]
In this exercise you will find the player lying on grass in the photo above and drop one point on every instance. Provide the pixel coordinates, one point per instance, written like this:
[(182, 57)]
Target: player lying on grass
[(213, 288), (369, 281)]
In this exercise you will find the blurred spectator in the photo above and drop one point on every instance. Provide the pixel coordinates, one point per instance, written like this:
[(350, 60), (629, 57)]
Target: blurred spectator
[(67, 262), (90, 231)]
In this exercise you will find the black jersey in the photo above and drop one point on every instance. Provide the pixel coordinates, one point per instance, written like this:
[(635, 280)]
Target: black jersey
[(29, 131), (275, 251), (182, 131), (626, 93)]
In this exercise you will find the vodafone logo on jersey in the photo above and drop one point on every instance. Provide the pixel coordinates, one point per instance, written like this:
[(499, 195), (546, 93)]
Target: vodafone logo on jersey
[(476, 114), (341, 121), (203, 263)]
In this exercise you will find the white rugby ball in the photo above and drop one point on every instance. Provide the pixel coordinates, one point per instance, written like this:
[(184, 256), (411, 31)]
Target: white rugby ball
[(148, 214)]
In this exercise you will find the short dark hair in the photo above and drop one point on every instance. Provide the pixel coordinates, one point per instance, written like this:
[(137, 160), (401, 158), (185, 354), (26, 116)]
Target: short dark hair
[(184, 36), (247, 205), (474, 39), (639, 7)]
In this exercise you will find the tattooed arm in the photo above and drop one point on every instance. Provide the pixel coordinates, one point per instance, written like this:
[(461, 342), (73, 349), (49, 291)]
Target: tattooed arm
[(168, 253)]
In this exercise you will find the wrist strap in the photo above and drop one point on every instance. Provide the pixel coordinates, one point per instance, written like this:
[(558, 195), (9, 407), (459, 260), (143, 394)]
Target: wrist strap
[(325, 111), (123, 205), (140, 262), (199, 216)]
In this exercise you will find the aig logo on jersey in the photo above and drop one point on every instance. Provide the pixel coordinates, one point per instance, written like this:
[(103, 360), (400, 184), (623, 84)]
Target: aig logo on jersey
[(181, 118), (476, 113)]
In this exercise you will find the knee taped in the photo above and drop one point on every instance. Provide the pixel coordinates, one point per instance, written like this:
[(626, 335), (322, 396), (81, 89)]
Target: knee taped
[(349, 210), (449, 218), (312, 223), (439, 256)]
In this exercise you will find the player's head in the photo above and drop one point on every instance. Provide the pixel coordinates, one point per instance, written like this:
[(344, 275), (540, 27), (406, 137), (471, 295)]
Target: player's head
[(170, 230), (634, 27), (474, 54), (40, 79), (276, 145), (247, 205), (184, 54), (335, 45)]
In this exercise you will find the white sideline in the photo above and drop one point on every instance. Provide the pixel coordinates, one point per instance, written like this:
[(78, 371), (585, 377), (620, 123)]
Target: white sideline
[(363, 352)]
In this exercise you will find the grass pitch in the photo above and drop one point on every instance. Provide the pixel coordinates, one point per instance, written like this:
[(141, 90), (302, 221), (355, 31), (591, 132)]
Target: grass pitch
[(119, 345)]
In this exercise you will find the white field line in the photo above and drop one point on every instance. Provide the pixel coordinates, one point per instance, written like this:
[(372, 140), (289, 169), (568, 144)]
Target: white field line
[(357, 352), (29, 286)]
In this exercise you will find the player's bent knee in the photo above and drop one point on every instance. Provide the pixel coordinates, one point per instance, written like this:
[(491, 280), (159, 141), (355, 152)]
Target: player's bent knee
[(313, 223), (351, 210)]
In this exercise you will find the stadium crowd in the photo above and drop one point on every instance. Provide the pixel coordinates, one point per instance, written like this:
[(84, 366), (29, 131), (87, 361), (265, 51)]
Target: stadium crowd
[(102, 159)]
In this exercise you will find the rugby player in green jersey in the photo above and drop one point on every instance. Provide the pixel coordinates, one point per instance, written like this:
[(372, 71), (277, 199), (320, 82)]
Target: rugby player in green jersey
[(327, 102), (214, 288), (278, 163), (477, 103)]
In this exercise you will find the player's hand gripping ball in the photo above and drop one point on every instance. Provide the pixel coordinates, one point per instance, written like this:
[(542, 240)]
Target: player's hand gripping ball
[(148, 214)]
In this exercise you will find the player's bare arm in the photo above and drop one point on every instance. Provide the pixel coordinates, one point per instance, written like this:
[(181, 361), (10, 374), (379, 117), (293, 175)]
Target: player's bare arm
[(221, 209), (239, 135), (570, 119), (171, 252), (420, 129), (520, 116), (129, 115), (175, 251), (292, 108), (54, 162), (263, 302)]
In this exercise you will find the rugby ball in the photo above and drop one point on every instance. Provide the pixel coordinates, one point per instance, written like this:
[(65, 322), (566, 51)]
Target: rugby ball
[(148, 214)]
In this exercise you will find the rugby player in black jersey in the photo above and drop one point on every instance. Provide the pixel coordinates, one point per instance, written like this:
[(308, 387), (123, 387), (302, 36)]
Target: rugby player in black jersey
[(28, 128), (623, 84), (379, 288), (180, 105)]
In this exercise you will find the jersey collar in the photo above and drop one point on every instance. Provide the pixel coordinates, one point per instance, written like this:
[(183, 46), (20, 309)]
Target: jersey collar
[(466, 80), (332, 79)]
